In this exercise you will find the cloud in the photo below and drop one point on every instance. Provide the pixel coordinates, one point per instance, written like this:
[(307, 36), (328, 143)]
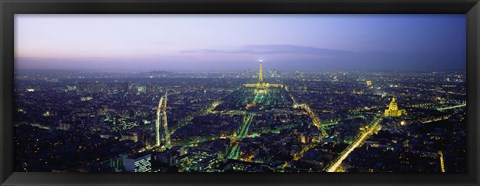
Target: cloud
[(276, 49)]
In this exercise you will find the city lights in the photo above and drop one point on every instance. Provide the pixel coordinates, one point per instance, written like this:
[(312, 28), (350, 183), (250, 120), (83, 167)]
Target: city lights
[(315, 124), (240, 93)]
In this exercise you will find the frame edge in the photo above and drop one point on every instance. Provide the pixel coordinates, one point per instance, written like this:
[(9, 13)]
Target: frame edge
[(6, 94), (6, 165), (473, 86)]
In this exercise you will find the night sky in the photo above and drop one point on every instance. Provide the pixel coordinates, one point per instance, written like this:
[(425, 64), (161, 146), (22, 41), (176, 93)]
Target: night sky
[(210, 43)]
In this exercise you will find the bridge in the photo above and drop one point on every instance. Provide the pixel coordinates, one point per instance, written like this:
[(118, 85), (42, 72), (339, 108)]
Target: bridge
[(451, 107), (333, 122)]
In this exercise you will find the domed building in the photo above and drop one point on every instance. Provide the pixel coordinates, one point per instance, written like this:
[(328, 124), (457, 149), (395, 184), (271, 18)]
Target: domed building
[(393, 111)]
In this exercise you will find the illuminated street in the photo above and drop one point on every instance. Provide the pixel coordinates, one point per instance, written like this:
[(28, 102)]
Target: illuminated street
[(318, 123), (359, 140)]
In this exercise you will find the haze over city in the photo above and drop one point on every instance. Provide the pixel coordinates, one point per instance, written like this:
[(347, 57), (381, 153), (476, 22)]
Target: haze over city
[(208, 43), (240, 93)]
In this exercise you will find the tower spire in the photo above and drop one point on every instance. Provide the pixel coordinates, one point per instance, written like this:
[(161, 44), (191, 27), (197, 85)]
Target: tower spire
[(260, 74)]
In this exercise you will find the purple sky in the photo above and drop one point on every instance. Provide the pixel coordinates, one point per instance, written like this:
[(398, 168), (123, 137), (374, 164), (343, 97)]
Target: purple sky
[(235, 42)]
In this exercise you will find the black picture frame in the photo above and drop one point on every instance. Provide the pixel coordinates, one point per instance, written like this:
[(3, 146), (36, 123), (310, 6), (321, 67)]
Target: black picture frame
[(10, 7)]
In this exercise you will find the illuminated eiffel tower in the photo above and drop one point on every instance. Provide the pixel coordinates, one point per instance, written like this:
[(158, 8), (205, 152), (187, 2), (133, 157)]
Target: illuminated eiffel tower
[(261, 86)]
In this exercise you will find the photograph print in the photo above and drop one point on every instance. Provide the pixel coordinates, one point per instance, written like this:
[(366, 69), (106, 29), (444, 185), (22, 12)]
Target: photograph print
[(240, 93)]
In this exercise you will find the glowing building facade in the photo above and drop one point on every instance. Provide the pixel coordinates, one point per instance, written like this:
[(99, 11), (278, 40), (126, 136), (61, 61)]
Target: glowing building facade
[(392, 110), (138, 163), (369, 83)]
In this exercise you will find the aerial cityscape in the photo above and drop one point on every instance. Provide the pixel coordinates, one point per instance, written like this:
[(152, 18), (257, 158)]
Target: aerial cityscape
[(293, 107)]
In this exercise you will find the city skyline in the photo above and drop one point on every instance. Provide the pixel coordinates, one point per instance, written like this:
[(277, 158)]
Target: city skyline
[(189, 43), (300, 122), (240, 93)]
